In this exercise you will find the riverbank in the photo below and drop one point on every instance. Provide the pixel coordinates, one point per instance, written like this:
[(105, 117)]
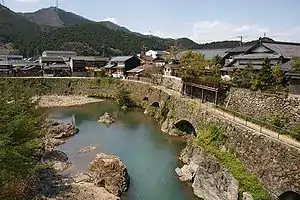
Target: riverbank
[(48, 101)]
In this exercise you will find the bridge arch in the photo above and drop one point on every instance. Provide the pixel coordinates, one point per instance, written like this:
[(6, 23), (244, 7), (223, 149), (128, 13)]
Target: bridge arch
[(290, 195), (186, 127), (155, 104)]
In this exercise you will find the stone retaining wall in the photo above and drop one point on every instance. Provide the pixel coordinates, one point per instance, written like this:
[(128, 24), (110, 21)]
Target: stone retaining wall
[(265, 106)]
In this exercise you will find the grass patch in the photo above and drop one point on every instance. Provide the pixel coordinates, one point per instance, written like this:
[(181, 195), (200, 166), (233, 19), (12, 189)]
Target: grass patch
[(211, 137)]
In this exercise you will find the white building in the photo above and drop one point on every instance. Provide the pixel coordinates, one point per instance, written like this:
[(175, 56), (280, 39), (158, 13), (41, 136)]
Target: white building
[(154, 54)]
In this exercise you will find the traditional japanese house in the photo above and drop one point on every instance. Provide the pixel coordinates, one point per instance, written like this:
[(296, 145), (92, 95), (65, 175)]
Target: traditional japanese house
[(118, 66), (80, 65), (277, 52)]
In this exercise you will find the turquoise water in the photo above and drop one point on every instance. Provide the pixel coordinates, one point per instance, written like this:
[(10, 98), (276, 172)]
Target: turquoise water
[(150, 155)]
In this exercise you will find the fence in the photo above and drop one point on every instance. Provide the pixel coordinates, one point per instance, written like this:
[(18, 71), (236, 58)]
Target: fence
[(262, 127)]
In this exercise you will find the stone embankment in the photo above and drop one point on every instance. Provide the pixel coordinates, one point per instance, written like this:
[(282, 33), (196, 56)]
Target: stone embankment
[(65, 101), (210, 180)]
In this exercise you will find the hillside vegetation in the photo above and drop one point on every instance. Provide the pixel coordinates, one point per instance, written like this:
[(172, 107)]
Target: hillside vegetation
[(15, 28)]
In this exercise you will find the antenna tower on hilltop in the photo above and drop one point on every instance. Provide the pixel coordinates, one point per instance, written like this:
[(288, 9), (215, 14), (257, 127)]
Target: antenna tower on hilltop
[(57, 4), (2, 2)]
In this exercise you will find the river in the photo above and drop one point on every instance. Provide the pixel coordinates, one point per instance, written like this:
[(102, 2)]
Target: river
[(150, 156)]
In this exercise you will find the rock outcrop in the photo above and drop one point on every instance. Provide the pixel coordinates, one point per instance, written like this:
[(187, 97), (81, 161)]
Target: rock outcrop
[(106, 119), (59, 160), (57, 133), (210, 180), (108, 171), (87, 149)]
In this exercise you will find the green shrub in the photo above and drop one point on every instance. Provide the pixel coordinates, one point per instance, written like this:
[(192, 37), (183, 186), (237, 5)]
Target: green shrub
[(211, 137), (20, 138), (123, 98)]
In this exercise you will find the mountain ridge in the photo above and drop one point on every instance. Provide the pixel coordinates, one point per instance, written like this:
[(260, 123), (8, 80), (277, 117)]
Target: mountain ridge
[(26, 30)]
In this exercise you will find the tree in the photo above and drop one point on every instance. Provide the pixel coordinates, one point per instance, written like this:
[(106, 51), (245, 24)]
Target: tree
[(192, 64), (123, 98), (217, 60), (296, 64), (174, 51), (265, 75), (20, 138), (244, 78), (278, 75)]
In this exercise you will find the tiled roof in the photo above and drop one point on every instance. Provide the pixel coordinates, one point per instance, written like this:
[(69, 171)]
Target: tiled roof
[(120, 58), (60, 52), (173, 66), (239, 49), (286, 66), (52, 59), (285, 49), (90, 58), (136, 70), (257, 56)]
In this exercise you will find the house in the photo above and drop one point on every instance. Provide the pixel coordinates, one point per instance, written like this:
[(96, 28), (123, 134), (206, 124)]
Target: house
[(81, 64), (54, 66), (159, 62), (156, 53), (118, 66), (171, 69), (66, 54), (277, 52)]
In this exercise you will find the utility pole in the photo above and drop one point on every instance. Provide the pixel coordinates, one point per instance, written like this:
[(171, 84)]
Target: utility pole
[(241, 37)]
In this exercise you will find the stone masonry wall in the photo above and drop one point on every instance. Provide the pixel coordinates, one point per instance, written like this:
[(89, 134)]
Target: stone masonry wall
[(265, 106), (172, 82)]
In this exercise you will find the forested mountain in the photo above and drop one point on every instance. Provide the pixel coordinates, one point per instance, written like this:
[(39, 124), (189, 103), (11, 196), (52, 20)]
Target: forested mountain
[(94, 35), (54, 17), (15, 28), (54, 29)]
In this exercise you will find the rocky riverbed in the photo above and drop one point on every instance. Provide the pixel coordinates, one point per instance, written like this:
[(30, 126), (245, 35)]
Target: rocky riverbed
[(107, 178), (65, 101)]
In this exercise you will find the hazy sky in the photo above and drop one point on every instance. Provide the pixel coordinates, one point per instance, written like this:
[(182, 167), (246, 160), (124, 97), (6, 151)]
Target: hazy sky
[(200, 20)]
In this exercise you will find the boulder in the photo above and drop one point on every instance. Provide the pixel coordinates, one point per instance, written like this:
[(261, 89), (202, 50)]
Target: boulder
[(247, 196), (89, 191), (124, 108), (210, 181), (57, 133), (87, 149), (109, 172), (58, 159), (106, 119)]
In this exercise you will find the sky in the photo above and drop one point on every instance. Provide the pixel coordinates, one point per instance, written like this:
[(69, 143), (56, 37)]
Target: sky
[(200, 20)]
